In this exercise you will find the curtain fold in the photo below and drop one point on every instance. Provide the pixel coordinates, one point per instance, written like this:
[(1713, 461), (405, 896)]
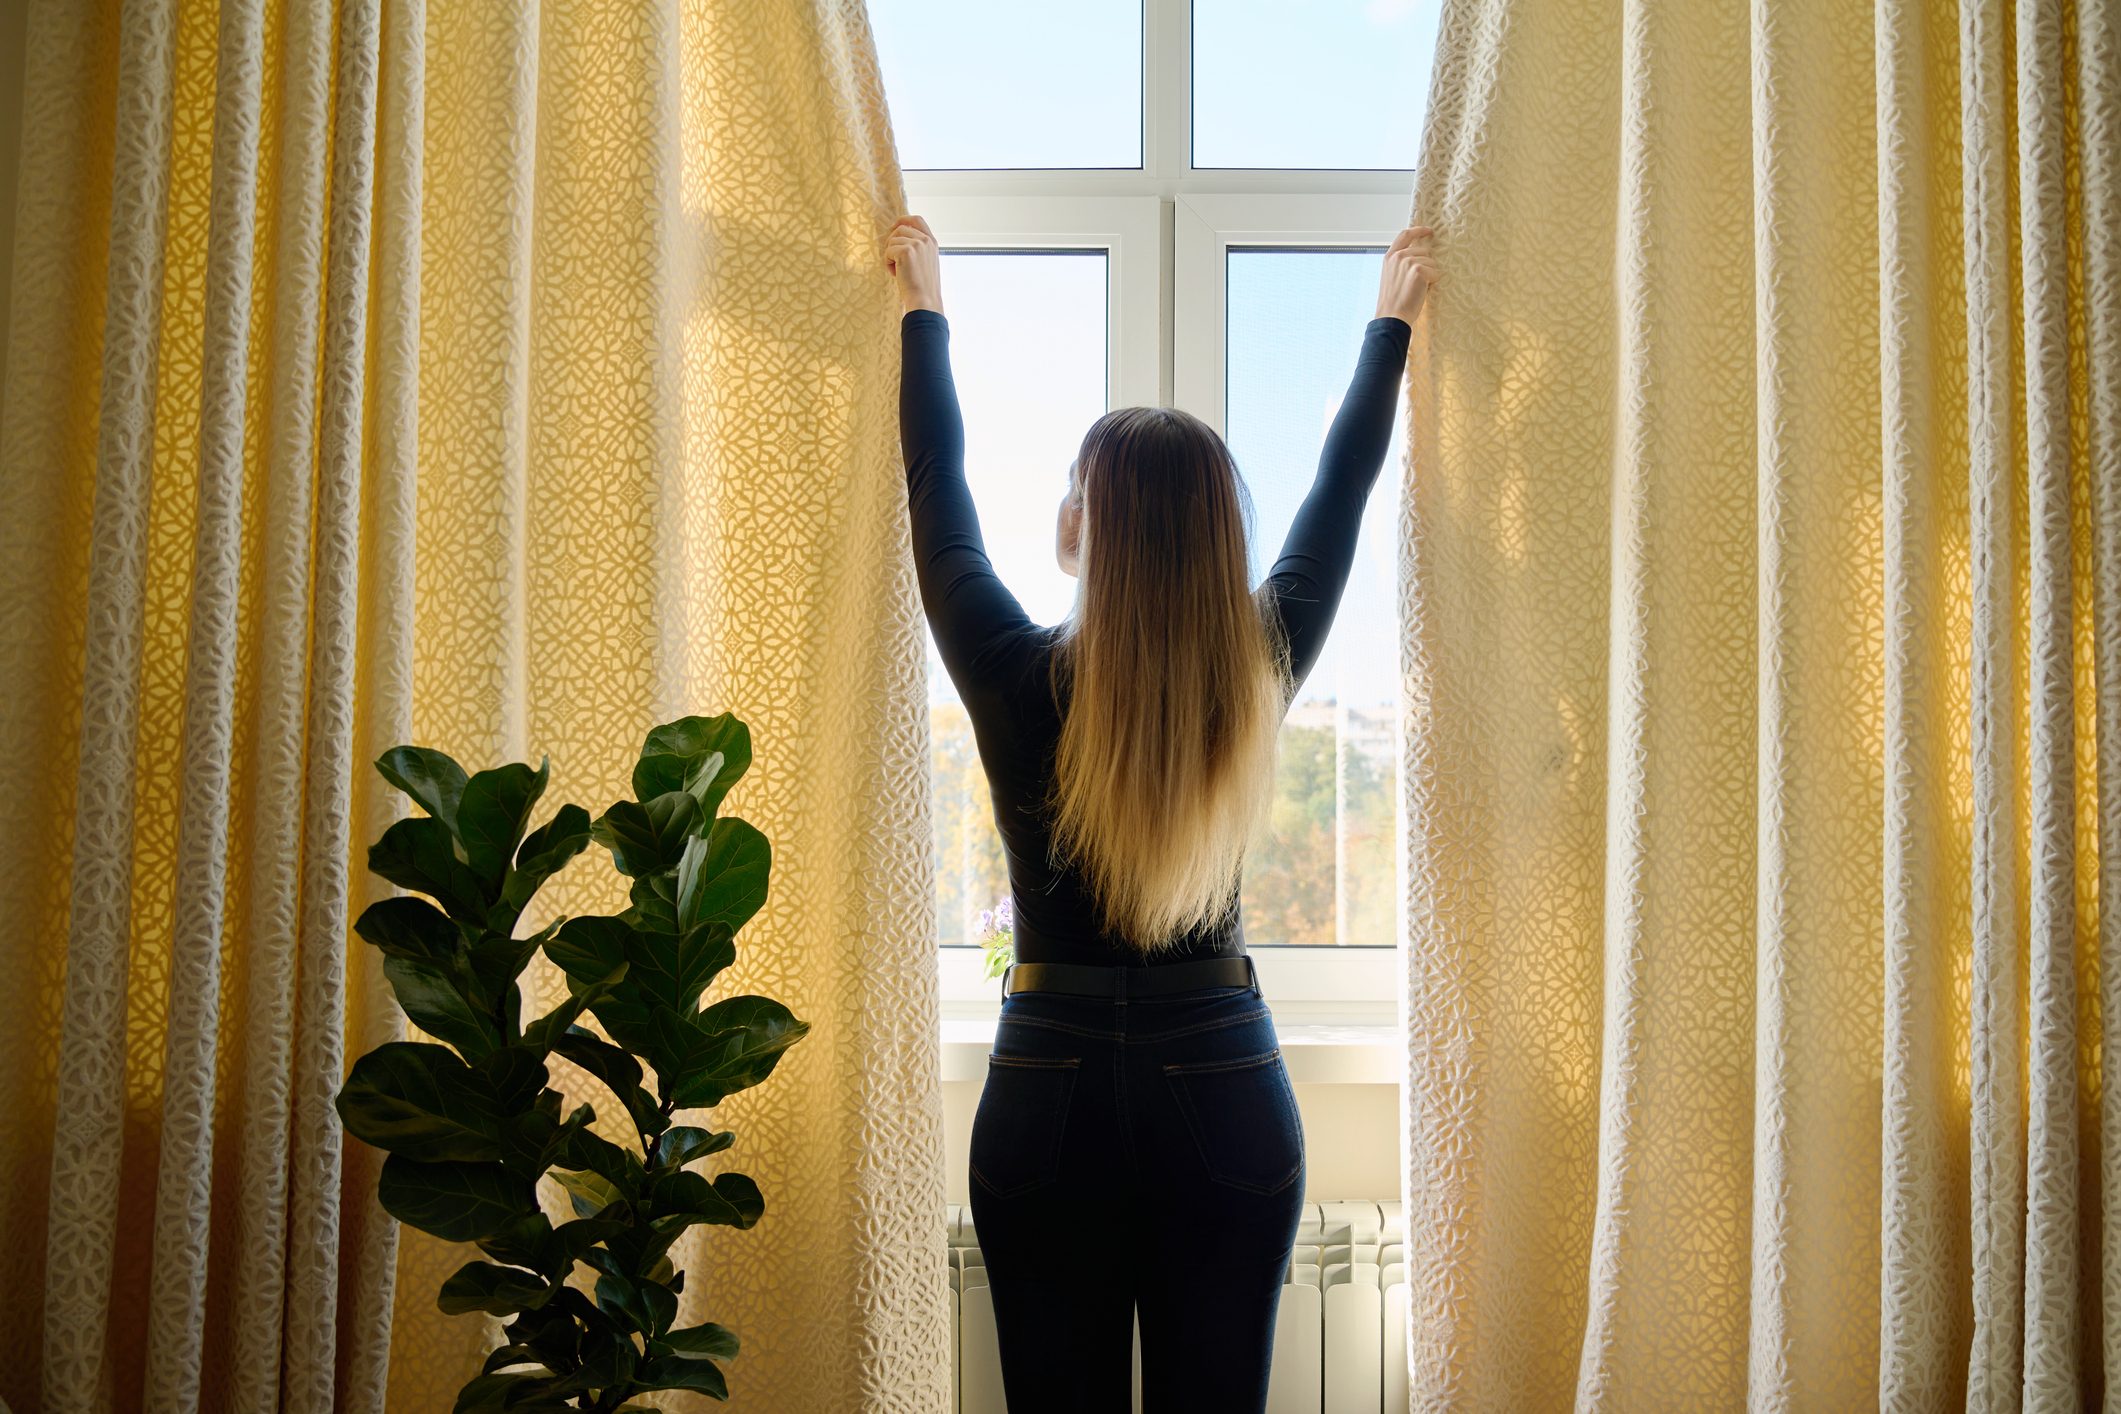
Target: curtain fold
[(1758, 574), (504, 378)]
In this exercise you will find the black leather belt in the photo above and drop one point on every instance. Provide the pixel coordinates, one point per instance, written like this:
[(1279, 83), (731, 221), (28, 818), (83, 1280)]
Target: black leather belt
[(1081, 979)]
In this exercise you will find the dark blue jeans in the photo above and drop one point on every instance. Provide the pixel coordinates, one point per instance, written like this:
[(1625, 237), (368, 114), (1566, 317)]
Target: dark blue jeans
[(1138, 1156)]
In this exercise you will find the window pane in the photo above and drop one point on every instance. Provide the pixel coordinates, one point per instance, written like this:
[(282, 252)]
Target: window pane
[(1331, 83), (1295, 322), (1028, 341), (973, 83)]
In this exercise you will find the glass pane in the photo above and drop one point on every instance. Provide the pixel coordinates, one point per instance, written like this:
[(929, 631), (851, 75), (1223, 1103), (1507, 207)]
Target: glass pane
[(973, 83), (1295, 323), (1027, 343), (1331, 83)]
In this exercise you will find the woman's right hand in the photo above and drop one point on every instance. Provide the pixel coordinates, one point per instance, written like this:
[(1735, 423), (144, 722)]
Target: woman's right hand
[(1410, 273), (910, 254)]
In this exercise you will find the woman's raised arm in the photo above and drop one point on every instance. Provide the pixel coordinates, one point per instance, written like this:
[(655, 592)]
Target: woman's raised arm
[(969, 608), (1306, 583)]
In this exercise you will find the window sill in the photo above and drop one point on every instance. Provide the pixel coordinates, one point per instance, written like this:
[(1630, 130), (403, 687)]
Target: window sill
[(1353, 1050)]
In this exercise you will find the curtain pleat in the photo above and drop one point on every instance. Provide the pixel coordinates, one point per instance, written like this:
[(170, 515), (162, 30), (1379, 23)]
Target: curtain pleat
[(1758, 574), (2098, 71), (176, 1313), (88, 1132), (1925, 1235), (505, 378)]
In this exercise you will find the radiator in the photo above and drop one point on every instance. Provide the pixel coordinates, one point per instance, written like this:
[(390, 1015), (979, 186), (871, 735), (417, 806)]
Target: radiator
[(1340, 1341)]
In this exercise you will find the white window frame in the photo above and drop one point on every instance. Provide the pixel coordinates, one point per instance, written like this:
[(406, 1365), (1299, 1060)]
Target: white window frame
[(1167, 229)]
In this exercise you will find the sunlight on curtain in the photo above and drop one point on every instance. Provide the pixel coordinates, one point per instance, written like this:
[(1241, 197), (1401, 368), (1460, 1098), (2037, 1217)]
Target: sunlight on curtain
[(659, 474), (607, 276), (1760, 573)]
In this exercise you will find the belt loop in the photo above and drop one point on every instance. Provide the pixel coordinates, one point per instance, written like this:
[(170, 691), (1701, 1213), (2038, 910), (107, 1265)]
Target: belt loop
[(1119, 986), (1006, 973), (1252, 971)]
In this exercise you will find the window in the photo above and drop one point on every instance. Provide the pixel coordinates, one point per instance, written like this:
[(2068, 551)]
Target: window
[(1310, 86), (1294, 316), (1202, 190), (977, 84)]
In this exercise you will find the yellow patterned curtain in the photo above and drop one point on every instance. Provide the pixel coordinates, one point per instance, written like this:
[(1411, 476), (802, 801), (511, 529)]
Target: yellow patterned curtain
[(505, 377), (1762, 581)]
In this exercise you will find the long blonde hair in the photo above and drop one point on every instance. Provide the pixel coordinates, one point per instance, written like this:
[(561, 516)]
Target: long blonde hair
[(1177, 685)]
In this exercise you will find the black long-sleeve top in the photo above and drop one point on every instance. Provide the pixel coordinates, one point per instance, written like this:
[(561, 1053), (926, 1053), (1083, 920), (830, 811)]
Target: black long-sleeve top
[(1000, 660)]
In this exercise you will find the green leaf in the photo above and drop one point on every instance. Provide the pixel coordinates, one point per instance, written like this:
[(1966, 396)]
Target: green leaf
[(514, 1394), (681, 1372), (589, 1193), (619, 1071), (544, 1033), (661, 1303), (509, 1356), (589, 949), (622, 1298), (457, 1202), (420, 854), (647, 837), (737, 1044), (423, 1102), (682, 1143), (708, 1342), (608, 1358), (676, 757), (435, 1005), (554, 1332), (535, 1139), (492, 965), (665, 975), (409, 927), (732, 1200), (430, 777), (528, 1241), (492, 815), (583, 1234), (499, 1291), (726, 882), (545, 852), (617, 1166), (516, 1074), (671, 975)]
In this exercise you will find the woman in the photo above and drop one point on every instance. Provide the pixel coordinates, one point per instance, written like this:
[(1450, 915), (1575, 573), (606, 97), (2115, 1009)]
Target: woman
[(1137, 1149)]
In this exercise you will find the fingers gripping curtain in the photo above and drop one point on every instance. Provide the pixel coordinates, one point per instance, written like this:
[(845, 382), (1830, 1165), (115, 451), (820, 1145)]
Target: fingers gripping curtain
[(605, 275), (1762, 580)]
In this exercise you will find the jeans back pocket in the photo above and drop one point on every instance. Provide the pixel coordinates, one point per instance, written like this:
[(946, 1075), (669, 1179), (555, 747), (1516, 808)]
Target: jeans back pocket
[(1244, 1120), (1023, 1112)]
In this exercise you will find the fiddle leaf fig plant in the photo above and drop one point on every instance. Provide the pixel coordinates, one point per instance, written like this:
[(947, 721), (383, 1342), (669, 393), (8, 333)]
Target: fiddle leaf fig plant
[(473, 1126)]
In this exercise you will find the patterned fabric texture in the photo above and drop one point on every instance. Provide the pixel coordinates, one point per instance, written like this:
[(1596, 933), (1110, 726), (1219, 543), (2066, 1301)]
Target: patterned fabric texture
[(503, 377), (1761, 576)]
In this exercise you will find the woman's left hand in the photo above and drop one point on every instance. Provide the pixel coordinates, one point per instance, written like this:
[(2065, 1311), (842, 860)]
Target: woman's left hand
[(910, 254)]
